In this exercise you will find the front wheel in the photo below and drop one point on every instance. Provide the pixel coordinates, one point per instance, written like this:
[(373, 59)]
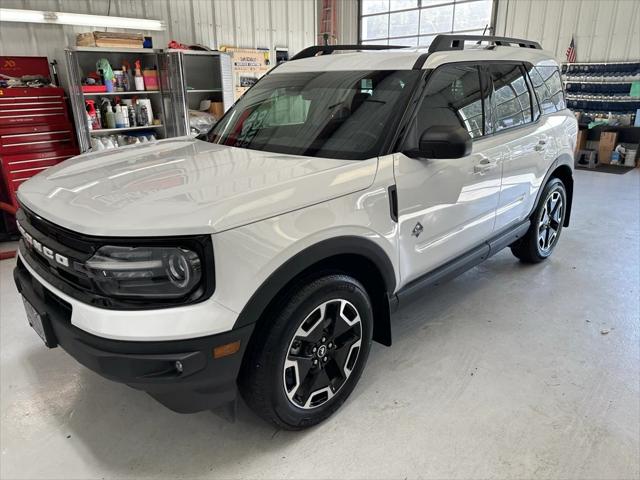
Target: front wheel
[(546, 225), (304, 363)]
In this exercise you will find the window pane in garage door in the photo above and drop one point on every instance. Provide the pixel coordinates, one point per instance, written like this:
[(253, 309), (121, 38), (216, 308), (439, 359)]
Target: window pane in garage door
[(402, 24), (374, 6), (376, 26), (399, 19), (436, 20), (472, 15)]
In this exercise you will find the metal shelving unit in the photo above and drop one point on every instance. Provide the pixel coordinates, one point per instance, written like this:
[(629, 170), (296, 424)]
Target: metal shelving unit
[(120, 94), (108, 131), (185, 78), (204, 90), (600, 88), (82, 60)]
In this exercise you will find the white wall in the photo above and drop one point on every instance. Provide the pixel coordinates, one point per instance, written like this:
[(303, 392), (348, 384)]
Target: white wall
[(604, 30), (214, 23), (348, 13)]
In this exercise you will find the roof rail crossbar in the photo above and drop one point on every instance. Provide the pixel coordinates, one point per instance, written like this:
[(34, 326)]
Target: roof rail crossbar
[(456, 42), (328, 49)]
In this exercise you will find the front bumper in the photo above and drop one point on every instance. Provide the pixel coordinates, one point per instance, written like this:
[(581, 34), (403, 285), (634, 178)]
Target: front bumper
[(198, 382)]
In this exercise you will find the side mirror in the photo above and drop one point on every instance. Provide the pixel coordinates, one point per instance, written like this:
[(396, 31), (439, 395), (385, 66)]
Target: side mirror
[(443, 142)]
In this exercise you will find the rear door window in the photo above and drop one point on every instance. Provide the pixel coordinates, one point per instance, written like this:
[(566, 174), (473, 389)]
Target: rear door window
[(510, 98)]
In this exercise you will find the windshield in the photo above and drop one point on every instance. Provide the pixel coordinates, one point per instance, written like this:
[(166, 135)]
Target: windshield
[(347, 115)]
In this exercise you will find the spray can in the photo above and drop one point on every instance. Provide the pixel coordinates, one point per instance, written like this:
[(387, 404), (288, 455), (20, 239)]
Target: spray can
[(132, 116), (93, 120)]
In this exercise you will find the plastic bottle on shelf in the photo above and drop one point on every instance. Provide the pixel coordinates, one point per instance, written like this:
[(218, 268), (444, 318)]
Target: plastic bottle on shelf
[(139, 80), (119, 118), (126, 85), (110, 118), (108, 142), (125, 115), (96, 144)]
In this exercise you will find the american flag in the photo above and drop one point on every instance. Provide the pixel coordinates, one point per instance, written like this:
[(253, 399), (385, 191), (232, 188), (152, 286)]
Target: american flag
[(571, 52)]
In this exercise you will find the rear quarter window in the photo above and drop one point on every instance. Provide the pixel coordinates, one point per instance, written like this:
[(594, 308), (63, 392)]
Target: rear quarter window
[(548, 87)]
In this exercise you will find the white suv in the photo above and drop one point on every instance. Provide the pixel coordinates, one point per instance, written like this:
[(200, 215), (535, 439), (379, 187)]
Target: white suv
[(268, 259)]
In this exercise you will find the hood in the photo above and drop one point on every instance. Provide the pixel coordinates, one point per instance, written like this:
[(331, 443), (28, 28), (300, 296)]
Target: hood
[(184, 186)]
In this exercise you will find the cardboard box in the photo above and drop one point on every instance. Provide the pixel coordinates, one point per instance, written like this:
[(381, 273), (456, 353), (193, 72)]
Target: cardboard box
[(581, 140), (217, 110), (608, 141), (110, 40)]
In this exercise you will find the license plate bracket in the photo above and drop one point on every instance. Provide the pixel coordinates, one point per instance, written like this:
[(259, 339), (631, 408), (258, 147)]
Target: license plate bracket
[(40, 322)]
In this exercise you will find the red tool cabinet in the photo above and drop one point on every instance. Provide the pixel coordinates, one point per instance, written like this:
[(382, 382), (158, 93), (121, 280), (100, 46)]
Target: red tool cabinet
[(36, 132)]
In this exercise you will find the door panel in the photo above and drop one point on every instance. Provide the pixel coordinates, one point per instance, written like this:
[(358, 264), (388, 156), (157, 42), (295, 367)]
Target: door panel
[(454, 200), (446, 206), (528, 152), (528, 141)]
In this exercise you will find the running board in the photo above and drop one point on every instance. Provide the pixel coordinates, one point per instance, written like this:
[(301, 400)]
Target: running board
[(455, 267)]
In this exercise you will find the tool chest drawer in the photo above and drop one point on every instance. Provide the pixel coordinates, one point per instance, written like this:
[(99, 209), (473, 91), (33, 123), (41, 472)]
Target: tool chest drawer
[(36, 132), (19, 168), (16, 140), (32, 106)]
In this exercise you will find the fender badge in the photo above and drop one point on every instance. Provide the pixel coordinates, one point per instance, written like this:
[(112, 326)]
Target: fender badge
[(417, 230)]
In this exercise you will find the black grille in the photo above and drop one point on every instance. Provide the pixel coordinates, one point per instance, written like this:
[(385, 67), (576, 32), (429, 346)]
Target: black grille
[(77, 243), (74, 280)]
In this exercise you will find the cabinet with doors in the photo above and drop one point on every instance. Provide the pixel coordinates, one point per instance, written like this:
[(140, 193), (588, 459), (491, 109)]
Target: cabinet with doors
[(204, 84)]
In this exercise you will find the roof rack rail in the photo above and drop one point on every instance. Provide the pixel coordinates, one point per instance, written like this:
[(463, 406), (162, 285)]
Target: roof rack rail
[(328, 49), (456, 42)]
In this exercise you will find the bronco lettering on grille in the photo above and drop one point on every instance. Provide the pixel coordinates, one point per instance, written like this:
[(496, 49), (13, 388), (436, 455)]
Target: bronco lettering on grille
[(42, 249)]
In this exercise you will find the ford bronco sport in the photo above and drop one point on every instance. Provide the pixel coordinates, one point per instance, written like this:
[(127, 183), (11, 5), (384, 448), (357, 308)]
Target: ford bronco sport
[(268, 259)]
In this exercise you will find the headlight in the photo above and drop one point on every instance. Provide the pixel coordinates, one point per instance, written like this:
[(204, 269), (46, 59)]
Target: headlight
[(146, 272)]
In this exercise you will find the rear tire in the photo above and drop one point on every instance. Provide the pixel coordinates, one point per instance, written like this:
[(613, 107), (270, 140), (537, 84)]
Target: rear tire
[(303, 364), (546, 225)]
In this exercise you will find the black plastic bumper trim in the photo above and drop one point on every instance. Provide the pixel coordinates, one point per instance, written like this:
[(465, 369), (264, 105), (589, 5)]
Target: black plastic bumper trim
[(199, 383)]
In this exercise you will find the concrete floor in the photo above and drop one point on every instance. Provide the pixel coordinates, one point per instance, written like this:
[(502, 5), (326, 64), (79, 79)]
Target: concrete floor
[(502, 373)]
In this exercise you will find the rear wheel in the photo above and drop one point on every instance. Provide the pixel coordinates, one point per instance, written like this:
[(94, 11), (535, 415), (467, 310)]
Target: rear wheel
[(546, 225), (304, 364)]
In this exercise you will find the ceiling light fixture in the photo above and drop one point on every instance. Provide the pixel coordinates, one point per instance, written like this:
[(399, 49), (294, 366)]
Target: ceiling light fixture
[(64, 18)]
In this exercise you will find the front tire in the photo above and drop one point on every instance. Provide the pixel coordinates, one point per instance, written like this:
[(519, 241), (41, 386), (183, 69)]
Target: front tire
[(546, 225), (304, 363)]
